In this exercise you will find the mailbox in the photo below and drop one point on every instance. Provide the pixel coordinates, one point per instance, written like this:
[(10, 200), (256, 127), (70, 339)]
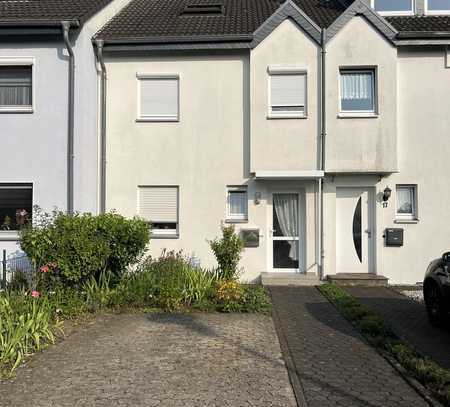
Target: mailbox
[(394, 237), (250, 237)]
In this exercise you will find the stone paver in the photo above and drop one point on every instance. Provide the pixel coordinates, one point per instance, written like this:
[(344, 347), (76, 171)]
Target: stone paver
[(336, 367), (408, 319), (158, 360)]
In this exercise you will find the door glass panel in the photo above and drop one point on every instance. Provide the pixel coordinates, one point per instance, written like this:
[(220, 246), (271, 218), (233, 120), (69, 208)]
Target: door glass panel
[(357, 230), (285, 254), (285, 215)]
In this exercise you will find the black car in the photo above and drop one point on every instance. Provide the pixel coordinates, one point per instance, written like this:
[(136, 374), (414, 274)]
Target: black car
[(436, 290)]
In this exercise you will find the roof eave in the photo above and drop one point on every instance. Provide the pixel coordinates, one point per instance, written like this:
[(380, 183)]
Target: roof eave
[(34, 27), (423, 34)]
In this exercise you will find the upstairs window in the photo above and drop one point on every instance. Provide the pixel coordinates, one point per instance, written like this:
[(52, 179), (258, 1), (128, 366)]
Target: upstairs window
[(358, 91), (159, 206), (237, 204), (16, 203), (437, 6), (158, 97), (394, 7), (287, 93), (15, 87), (406, 202)]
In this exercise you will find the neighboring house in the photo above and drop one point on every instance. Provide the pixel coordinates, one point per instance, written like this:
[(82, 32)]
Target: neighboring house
[(218, 111), (48, 158)]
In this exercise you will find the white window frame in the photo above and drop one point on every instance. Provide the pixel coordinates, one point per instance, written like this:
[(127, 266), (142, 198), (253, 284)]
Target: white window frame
[(163, 233), (435, 12), (396, 13), (142, 118), (12, 235), (22, 61), (286, 70), (232, 218), (407, 217), (373, 113)]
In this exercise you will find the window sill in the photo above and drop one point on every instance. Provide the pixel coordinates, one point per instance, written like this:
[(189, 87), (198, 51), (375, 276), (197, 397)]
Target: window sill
[(16, 110), (272, 116), (352, 115), (157, 119), (9, 235), (406, 221), (152, 237), (236, 220)]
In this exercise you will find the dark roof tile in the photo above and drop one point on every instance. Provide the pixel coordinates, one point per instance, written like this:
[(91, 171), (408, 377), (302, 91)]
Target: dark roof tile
[(20, 11), (420, 23)]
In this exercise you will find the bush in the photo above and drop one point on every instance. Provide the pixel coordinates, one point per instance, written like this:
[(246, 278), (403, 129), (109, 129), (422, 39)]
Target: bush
[(227, 251), (230, 295), (82, 246)]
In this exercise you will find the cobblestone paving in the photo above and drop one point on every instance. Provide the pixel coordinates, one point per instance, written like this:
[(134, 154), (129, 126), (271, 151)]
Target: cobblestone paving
[(408, 319), (158, 360), (335, 366)]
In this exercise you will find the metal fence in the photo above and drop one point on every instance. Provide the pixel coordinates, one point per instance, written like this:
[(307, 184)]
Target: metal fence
[(13, 264)]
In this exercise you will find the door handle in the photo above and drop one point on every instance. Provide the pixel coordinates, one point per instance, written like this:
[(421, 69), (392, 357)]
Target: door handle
[(369, 233)]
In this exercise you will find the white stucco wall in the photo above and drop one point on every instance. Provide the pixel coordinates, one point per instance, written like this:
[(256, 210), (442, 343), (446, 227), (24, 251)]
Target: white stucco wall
[(361, 144), (283, 144)]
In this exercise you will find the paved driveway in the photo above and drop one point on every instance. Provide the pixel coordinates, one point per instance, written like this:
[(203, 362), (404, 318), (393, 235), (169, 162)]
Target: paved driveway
[(408, 319), (158, 360)]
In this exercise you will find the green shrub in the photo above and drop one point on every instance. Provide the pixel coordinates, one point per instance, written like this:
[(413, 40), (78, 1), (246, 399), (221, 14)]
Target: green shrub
[(82, 246), (19, 281), (98, 292), (228, 251), (230, 296), (256, 299)]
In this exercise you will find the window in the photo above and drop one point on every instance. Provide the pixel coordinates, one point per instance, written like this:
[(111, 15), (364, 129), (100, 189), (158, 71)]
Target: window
[(394, 7), (237, 204), (437, 6), (158, 98), (357, 91), (15, 87), (406, 202), (287, 93), (16, 203), (203, 9), (159, 206)]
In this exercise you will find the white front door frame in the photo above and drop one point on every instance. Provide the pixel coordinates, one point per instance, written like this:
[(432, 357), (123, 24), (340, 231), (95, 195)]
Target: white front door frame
[(301, 228)]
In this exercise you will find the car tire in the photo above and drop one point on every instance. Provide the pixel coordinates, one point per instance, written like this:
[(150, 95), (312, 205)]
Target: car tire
[(434, 304)]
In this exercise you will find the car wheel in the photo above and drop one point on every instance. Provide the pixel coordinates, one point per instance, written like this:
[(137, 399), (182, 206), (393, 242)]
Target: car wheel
[(434, 304)]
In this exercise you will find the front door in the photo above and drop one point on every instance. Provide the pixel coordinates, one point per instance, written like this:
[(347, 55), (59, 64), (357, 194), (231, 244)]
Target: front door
[(285, 232), (354, 230)]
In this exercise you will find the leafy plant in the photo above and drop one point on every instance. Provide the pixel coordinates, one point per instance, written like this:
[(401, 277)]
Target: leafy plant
[(82, 245), (230, 296), (98, 292), (228, 251)]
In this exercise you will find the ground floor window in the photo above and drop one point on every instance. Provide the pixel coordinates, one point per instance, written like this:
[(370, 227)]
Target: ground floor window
[(16, 203), (406, 202), (237, 203), (159, 206)]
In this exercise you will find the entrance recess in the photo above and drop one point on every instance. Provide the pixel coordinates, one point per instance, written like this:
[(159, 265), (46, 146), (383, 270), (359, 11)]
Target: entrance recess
[(354, 230), (285, 232)]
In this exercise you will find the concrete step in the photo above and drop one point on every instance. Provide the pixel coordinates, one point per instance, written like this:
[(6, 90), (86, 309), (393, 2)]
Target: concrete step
[(358, 279), (297, 279)]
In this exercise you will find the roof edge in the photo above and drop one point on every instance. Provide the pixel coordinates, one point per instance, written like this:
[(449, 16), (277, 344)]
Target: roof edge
[(360, 8)]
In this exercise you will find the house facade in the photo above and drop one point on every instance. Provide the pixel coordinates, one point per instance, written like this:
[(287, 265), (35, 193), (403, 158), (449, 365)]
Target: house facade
[(318, 128), (49, 132)]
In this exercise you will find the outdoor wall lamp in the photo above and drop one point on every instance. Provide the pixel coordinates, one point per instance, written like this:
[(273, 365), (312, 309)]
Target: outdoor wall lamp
[(257, 198), (386, 195)]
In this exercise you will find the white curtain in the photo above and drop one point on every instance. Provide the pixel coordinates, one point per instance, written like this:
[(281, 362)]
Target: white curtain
[(286, 208), (357, 85), (405, 200), (238, 203)]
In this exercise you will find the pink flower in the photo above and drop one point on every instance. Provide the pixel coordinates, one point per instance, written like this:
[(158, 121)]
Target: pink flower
[(44, 269), (35, 294)]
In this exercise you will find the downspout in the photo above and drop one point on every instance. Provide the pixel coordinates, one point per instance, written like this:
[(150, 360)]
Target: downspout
[(323, 134), (99, 48), (71, 104)]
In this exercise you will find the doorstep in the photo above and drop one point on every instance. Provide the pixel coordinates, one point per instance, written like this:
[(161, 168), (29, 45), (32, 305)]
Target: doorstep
[(358, 279), (295, 279)]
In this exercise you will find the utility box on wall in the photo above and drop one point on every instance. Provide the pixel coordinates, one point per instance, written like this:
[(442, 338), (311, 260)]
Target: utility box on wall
[(250, 237), (394, 237)]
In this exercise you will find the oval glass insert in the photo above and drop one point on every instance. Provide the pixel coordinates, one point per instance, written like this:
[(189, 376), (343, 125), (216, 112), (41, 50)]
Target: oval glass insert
[(357, 230)]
